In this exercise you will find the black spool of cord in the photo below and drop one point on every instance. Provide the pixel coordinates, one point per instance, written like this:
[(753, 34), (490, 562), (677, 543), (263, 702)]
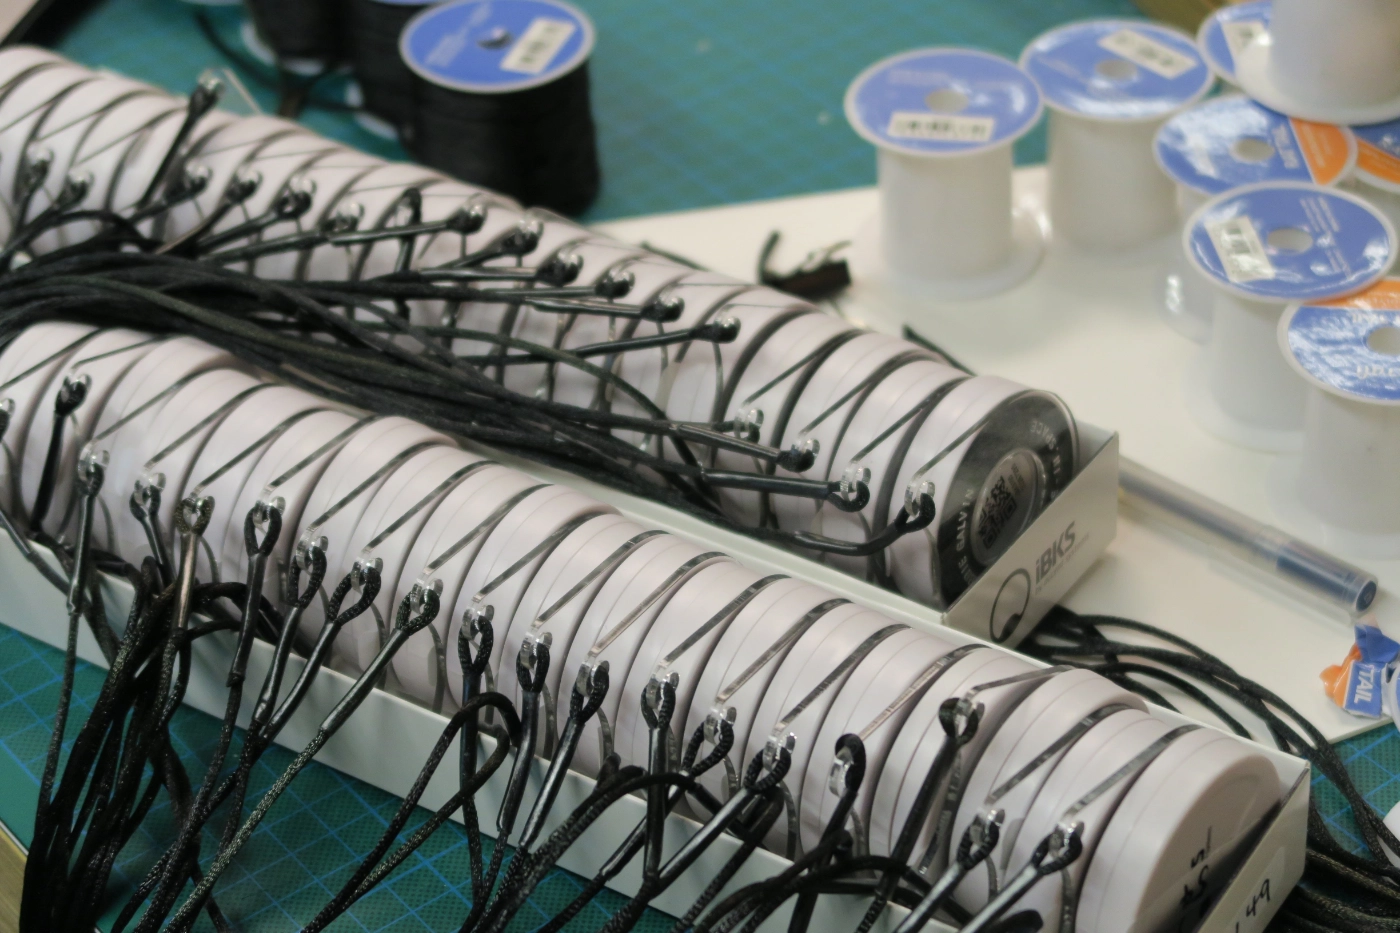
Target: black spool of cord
[(299, 29), (501, 98), (372, 43)]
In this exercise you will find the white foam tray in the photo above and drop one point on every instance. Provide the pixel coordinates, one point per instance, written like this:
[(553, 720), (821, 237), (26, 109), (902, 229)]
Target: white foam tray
[(1091, 331), (386, 740)]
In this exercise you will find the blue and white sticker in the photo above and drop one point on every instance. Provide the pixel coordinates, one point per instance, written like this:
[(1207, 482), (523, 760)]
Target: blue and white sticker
[(942, 102), (1378, 162), (1117, 69), (496, 46), (1287, 241), (1231, 141), (1352, 346), (1228, 30)]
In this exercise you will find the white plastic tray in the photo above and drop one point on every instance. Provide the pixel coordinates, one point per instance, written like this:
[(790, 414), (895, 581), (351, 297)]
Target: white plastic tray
[(387, 738)]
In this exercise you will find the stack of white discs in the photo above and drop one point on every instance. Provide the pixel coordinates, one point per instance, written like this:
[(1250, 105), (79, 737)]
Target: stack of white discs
[(861, 404), (550, 567)]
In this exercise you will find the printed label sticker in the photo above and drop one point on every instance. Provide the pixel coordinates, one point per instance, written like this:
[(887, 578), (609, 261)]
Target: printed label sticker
[(1154, 56), (1241, 251)]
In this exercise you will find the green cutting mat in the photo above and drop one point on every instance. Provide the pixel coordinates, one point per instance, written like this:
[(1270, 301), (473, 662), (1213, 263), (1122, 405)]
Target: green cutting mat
[(309, 844), (697, 103)]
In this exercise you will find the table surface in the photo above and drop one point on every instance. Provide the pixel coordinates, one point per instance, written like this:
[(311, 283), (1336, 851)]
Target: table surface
[(697, 105)]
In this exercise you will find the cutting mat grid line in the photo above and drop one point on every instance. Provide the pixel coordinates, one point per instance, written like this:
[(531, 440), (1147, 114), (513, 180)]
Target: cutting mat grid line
[(310, 843), (697, 104)]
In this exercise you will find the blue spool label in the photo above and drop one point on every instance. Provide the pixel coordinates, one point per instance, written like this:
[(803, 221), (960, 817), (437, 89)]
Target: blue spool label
[(1228, 30), (1290, 242), (1117, 69), (495, 46), (1378, 161), (942, 102), (1348, 346), (1232, 141)]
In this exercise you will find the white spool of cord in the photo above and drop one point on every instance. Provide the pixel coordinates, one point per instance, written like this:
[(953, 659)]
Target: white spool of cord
[(1262, 247), (1109, 84), (1225, 143), (1341, 489), (1225, 33), (943, 121), (1337, 61)]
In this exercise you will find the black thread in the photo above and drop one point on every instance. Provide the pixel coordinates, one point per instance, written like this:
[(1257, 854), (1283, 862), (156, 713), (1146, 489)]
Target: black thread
[(372, 45), (299, 29), (537, 145)]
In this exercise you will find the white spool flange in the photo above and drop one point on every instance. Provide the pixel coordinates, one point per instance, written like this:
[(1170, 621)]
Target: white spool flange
[(534, 527), (615, 625), (366, 460), (922, 738), (591, 552), (1335, 61), (702, 601), (814, 661), (1262, 247), (874, 705), (1109, 84), (1225, 143), (102, 361), (788, 607), (215, 474), (1056, 707), (444, 551), (297, 458), (1225, 33), (31, 361), (1341, 487), (1177, 836), (418, 483), (943, 121)]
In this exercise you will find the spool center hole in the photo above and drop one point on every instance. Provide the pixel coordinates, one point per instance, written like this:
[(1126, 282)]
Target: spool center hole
[(1290, 240), (946, 100), (1116, 69), (497, 38), (1385, 339), (1252, 149)]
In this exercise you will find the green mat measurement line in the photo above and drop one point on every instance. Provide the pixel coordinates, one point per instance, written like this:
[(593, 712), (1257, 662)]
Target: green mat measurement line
[(311, 842)]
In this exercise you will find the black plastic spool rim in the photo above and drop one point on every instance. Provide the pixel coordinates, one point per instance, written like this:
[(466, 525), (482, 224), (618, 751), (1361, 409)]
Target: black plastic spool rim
[(537, 145)]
